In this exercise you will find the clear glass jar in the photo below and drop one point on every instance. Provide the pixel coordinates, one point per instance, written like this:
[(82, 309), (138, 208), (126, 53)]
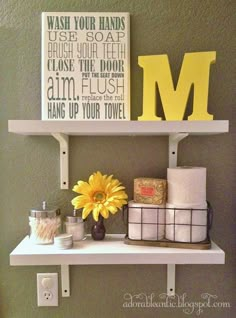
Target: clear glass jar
[(75, 225), (44, 224)]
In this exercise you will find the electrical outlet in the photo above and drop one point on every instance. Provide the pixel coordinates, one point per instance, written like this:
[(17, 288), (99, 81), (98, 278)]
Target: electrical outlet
[(47, 295), (47, 289)]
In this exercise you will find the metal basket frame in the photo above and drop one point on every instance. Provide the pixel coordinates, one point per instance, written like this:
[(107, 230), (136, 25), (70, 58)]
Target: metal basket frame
[(208, 225)]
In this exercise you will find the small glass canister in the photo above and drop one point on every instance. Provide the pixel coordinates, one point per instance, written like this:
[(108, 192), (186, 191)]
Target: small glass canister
[(75, 225), (45, 223)]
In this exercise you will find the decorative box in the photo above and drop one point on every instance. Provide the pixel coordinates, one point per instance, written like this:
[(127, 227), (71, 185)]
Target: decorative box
[(150, 191)]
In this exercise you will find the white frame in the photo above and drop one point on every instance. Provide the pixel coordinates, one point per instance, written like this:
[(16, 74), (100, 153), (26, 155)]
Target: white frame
[(75, 85)]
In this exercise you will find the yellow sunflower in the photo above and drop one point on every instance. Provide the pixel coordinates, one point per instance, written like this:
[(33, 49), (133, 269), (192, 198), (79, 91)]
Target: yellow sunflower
[(101, 194)]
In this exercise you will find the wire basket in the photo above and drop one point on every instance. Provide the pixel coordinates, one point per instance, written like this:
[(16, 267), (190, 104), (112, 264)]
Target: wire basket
[(165, 224)]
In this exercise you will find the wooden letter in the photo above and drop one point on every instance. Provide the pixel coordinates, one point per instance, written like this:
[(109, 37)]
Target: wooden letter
[(194, 71)]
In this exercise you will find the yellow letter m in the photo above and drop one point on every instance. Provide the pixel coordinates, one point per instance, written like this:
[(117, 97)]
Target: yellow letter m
[(194, 71)]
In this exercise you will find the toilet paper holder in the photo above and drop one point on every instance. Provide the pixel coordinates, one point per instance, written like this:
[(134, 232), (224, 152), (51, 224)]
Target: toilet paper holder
[(193, 233)]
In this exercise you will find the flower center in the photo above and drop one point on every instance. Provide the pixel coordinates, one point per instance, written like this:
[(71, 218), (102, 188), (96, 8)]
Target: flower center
[(99, 196)]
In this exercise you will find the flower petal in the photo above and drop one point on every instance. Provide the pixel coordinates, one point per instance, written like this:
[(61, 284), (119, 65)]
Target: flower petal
[(96, 213), (112, 209), (117, 189), (104, 212), (87, 209), (82, 187)]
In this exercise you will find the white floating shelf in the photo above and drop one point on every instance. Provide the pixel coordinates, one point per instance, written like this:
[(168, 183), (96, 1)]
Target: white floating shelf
[(117, 128), (60, 130), (112, 250)]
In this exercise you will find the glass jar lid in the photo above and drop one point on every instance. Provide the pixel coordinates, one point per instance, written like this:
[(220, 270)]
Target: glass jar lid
[(45, 211), (74, 218)]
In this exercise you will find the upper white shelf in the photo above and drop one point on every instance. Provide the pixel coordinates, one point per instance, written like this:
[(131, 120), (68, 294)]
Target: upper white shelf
[(112, 250), (117, 128)]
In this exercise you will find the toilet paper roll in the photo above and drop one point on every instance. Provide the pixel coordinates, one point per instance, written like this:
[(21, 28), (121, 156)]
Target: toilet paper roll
[(183, 233), (146, 221), (186, 222), (186, 185), (134, 231)]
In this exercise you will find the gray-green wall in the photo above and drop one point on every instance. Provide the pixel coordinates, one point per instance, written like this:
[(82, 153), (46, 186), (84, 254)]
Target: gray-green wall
[(30, 165)]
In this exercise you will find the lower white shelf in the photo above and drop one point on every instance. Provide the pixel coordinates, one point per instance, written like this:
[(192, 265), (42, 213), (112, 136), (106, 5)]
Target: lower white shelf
[(111, 250)]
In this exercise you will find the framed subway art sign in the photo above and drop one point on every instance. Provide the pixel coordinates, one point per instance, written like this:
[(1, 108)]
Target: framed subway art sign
[(85, 66)]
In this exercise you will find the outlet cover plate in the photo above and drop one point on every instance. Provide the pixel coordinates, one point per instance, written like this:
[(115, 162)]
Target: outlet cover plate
[(47, 289)]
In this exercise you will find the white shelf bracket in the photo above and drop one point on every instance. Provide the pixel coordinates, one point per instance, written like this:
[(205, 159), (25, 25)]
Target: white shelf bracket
[(65, 281), (64, 158), (170, 279), (174, 140)]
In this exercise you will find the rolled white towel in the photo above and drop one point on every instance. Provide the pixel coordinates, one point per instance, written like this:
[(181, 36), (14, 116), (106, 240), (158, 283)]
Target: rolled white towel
[(186, 185), (146, 221), (184, 224)]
